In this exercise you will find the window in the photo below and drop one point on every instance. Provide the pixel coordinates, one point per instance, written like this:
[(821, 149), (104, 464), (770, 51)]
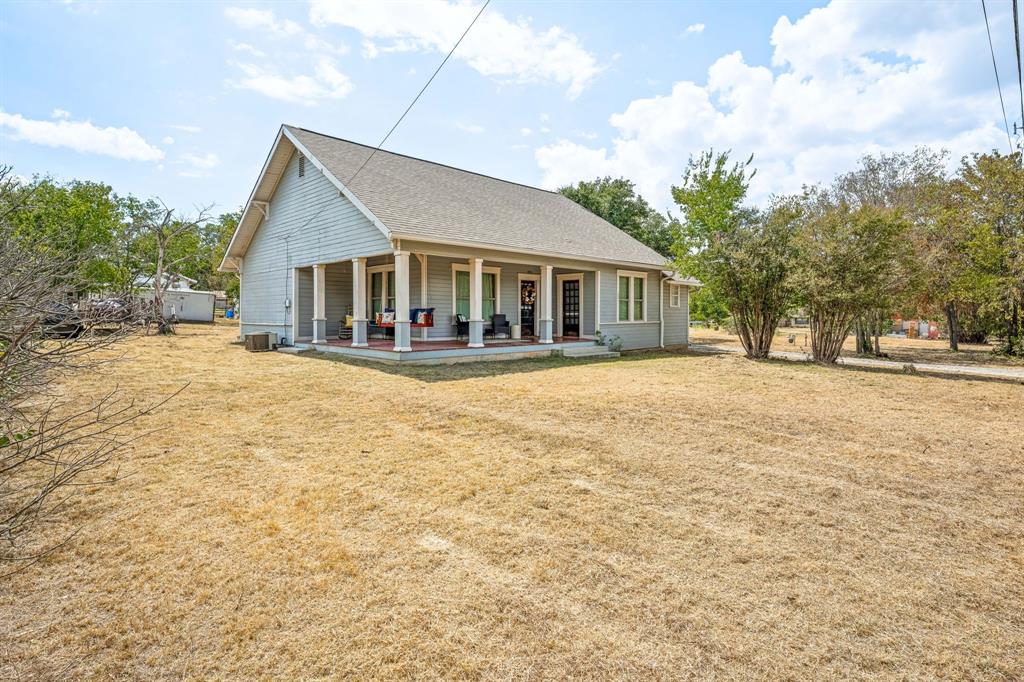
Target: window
[(382, 289), (675, 296), (488, 294), (632, 296)]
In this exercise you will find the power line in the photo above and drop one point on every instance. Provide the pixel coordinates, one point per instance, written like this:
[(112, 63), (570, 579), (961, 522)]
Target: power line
[(1016, 44), (422, 90), (999, 87), (407, 109)]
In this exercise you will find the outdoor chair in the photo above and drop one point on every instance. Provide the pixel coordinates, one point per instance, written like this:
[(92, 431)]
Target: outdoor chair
[(500, 325), (461, 323)]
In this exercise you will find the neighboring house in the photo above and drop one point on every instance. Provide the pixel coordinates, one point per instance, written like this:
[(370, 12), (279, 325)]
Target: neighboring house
[(180, 299), (322, 242)]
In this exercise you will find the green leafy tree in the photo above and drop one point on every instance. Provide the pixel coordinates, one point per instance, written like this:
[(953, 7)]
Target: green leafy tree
[(77, 220), (904, 184), (845, 258), (990, 193), (742, 256), (618, 202)]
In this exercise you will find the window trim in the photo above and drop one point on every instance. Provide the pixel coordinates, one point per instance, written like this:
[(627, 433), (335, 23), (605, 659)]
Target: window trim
[(385, 294), (675, 296), (633, 275), (489, 269)]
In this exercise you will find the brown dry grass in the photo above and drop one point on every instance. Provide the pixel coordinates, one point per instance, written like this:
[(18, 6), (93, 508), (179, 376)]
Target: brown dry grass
[(660, 516), (897, 349)]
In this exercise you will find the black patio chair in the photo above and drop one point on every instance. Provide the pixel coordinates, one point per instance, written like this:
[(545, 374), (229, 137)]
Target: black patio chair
[(461, 326), (500, 325)]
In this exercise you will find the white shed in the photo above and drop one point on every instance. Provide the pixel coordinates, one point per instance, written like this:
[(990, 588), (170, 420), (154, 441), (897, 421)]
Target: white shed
[(189, 305)]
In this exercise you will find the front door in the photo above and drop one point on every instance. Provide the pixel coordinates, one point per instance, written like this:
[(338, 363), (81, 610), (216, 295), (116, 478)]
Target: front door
[(571, 307), (527, 307)]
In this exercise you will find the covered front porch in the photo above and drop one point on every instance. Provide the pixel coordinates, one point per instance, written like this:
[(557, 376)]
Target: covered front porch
[(415, 305), (439, 351)]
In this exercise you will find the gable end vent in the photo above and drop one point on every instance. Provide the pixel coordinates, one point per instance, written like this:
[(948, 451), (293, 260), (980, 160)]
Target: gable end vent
[(302, 166)]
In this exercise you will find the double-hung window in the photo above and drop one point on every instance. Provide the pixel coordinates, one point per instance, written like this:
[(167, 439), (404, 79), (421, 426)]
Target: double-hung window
[(382, 291), (675, 296), (488, 292), (632, 296)]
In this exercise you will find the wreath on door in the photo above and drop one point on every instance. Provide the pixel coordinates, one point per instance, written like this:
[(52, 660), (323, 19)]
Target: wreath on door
[(528, 293)]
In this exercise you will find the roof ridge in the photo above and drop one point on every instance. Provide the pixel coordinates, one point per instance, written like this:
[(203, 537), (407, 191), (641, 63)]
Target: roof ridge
[(434, 163)]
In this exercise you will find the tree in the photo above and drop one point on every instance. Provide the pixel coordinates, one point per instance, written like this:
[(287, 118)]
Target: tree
[(167, 240), (617, 202), (959, 259), (749, 266), (990, 190), (52, 444), (904, 184), (76, 220), (221, 233), (845, 257), (741, 255)]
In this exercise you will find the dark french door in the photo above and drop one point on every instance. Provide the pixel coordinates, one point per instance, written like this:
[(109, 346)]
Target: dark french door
[(528, 307), (571, 307)]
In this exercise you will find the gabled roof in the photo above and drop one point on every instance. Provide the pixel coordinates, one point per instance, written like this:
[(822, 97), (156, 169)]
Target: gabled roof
[(409, 198)]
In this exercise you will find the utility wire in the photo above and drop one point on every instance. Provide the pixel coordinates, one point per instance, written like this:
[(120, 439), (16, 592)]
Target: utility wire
[(385, 138), (422, 90), (1016, 44), (999, 87)]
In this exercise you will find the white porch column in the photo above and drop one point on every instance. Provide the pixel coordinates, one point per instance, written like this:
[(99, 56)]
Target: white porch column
[(319, 303), (476, 303), (403, 330), (546, 292), (358, 302), (422, 257)]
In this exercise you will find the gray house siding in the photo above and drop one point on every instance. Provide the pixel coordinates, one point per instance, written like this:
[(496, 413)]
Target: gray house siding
[(309, 223), (677, 322), (633, 335)]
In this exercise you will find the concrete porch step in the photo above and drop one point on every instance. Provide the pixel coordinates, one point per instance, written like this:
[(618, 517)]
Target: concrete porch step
[(590, 352)]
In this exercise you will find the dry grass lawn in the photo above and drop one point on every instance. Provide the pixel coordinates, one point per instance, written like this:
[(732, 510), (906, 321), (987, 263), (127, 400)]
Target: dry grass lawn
[(659, 516), (897, 349)]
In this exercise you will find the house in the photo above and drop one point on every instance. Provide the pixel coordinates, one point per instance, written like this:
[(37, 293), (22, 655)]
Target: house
[(332, 241)]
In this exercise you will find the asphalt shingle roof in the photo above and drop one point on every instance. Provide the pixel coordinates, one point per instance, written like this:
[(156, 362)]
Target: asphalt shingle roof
[(419, 199)]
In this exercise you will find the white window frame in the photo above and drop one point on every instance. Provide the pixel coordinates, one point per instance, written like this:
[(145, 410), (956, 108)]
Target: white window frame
[(633, 275), (464, 267), (675, 296), (368, 285)]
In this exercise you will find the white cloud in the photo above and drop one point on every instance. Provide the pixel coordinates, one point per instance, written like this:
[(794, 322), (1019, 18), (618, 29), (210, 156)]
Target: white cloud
[(695, 28), (168, 140), (260, 19), (471, 128), (198, 166), (246, 47), (321, 46), (82, 136), (525, 132), (544, 117), (545, 130), (508, 51), (849, 79), (326, 82), (60, 113), (186, 128)]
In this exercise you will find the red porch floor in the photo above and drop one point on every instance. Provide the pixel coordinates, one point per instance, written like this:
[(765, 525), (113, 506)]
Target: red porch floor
[(417, 344)]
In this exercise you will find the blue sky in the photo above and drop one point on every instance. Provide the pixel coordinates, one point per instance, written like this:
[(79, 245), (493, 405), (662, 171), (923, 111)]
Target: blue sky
[(182, 100)]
